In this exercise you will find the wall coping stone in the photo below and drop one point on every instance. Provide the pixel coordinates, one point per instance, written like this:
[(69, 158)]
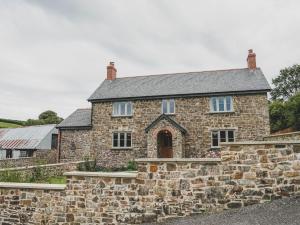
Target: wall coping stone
[(127, 174), (199, 160), (32, 186), (263, 142), (44, 165), (283, 134)]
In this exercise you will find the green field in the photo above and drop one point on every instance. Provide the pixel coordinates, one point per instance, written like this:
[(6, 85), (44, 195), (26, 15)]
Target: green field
[(7, 123)]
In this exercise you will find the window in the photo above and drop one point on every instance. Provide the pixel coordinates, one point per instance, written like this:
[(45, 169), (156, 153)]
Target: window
[(122, 140), (221, 136), (168, 106), (122, 109), (54, 141), (221, 104), (23, 154)]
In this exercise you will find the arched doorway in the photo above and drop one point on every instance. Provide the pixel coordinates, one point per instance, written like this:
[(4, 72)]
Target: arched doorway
[(164, 144)]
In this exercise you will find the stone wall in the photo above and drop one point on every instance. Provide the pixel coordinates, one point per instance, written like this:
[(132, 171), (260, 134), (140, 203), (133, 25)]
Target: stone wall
[(250, 120), (286, 136), (39, 157), (247, 173), (47, 170), (75, 145)]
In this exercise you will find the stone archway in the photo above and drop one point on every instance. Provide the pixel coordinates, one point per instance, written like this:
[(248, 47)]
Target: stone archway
[(165, 138), (164, 144)]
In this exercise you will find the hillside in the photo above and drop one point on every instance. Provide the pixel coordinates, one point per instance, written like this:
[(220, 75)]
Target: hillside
[(7, 123)]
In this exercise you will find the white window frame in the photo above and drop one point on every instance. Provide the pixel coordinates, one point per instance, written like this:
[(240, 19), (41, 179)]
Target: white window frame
[(219, 137), (168, 106), (218, 105), (118, 105), (125, 139)]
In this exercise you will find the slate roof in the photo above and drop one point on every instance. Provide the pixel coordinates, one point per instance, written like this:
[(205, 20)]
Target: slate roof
[(25, 137), (169, 119), (182, 84), (81, 118)]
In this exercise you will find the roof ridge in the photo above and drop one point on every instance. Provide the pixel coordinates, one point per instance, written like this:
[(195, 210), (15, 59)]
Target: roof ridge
[(83, 109), (183, 73)]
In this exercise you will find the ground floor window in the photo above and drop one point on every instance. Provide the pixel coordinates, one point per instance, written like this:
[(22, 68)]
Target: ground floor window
[(221, 136), (26, 153), (122, 140)]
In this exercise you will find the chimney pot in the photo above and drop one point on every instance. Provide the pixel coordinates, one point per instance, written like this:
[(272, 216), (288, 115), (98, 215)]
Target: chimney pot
[(251, 60), (111, 71)]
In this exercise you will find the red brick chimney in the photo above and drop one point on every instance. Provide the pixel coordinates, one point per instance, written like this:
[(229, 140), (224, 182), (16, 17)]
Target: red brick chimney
[(111, 71), (251, 60)]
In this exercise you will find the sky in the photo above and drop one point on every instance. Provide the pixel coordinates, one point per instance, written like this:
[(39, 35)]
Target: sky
[(54, 53)]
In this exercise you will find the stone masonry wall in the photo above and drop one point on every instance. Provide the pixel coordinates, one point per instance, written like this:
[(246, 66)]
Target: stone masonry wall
[(286, 136), (250, 120), (246, 174), (39, 157), (47, 170), (75, 145)]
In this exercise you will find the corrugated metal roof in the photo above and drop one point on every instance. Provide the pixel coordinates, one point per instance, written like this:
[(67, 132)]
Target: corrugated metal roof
[(177, 84), (24, 137)]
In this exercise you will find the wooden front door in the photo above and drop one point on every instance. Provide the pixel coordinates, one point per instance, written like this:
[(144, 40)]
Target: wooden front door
[(164, 144)]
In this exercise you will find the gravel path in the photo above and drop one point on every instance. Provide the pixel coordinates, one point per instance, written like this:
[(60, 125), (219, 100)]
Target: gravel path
[(279, 212)]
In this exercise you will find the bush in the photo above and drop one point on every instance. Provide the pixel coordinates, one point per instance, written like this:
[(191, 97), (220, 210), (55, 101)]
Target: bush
[(87, 165), (11, 176)]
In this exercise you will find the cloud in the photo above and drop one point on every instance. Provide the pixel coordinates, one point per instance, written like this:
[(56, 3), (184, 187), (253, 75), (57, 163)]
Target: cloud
[(54, 53)]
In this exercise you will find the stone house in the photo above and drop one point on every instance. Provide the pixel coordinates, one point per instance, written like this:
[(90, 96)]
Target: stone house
[(168, 115)]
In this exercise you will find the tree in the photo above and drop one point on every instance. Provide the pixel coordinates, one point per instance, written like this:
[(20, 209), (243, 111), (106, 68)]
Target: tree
[(49, 117), (278, 116), (293, 111), (287, 83)]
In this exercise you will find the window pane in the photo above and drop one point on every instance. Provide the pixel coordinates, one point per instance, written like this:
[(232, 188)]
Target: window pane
[(115, 140), (129, 106), (221, 104), (115, 109), (223, 136), (215, 141), (128, 144), (165, 106), (231, 136), (172, 106), (122, 108), (122, 140), (228, 103), (214, 104)]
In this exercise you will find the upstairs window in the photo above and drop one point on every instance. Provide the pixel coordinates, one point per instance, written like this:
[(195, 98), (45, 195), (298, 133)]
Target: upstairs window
[(221, 104), (168, 106), (122, 109), (221, 136), (122, 140)]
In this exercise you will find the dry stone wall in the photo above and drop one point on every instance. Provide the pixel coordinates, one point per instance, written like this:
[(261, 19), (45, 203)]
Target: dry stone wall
[(39, 157), (286, 136), (246, 174)]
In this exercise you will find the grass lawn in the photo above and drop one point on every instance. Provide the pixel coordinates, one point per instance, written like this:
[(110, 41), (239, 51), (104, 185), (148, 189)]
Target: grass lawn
[(8, 125), (57, 180)]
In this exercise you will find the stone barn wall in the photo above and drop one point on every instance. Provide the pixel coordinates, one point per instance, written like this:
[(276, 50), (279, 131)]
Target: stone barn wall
[(246, 174)]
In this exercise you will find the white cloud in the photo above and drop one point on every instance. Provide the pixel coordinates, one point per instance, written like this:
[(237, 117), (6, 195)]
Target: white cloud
[(53, 54)]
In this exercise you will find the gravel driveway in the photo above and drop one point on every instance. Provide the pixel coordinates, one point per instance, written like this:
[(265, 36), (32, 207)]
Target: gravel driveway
[(279, 212)]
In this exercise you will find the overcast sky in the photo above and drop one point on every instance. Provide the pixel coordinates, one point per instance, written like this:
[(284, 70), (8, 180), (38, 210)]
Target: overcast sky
[(53, 53)]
